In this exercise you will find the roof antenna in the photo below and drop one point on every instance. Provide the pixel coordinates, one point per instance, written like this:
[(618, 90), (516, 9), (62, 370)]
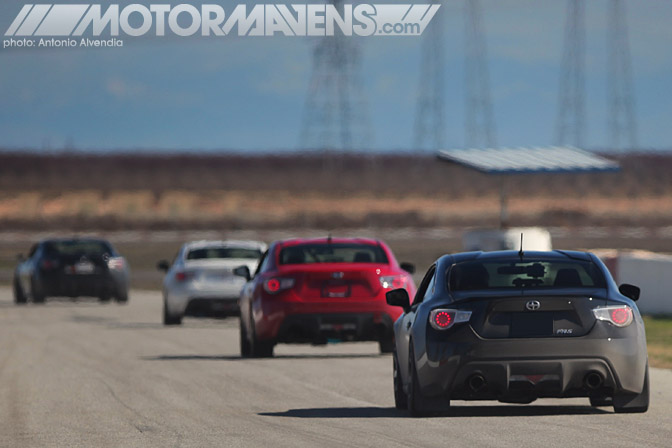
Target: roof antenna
[(520, 252), (329, 238)]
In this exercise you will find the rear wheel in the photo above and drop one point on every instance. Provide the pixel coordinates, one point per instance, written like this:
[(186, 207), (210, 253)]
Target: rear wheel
[(38, 294), (245, 348), (400, 398), (122, 296), (169, 319), (19, 296), (386, 345), (260, 349), (413, 398), (634, 403), (104, 297)]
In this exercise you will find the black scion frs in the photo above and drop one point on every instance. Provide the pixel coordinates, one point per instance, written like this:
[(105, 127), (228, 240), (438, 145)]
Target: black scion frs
[(71, 267), (515, 327)]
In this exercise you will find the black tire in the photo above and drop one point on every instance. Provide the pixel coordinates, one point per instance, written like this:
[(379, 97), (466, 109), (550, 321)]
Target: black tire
[(413, 398), (245, 348), (104, 298), (169, 319), (260, 349), (597, 402), (634, 403), (19, 296), (37, 294), (386, 345), (400, 398), (122, 296)]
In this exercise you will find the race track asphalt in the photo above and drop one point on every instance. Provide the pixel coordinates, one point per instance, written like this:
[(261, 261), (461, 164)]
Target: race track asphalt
[(84, 374)]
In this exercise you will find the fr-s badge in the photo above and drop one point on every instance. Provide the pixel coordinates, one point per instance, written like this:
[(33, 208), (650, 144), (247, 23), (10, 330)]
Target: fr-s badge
[(564, 331)]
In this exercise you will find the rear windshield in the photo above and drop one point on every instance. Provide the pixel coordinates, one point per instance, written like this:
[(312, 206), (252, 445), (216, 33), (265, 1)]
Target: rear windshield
[(74, 247), (223, 252), (333, 253), (496, 274)]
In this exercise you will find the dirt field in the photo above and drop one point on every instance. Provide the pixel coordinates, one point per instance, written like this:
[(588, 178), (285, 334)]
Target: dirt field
[(117, 192)]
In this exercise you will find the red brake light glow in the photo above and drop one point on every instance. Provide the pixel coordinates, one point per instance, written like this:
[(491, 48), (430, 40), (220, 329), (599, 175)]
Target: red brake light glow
[(273, 285), (393, 281), (443, 319), (620, 316), (182, 276), (278, 284)]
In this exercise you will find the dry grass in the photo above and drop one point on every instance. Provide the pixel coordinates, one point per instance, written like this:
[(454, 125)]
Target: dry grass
[(659, 340), (119, 191)]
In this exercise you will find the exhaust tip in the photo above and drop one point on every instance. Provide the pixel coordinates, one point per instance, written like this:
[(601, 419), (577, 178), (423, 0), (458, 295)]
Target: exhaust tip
[(593, 380), (476, 382)]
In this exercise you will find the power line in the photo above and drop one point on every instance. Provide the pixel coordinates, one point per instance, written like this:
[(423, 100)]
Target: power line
[(621, 125), (570, 124), (480, 122), (429, 130), (335, 115)]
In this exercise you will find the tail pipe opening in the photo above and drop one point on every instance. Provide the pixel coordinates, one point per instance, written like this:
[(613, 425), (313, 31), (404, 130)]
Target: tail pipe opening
[(593, 380), (476, 382)]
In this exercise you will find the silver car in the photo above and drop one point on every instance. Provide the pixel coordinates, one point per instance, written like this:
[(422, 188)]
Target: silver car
[(200, 280)]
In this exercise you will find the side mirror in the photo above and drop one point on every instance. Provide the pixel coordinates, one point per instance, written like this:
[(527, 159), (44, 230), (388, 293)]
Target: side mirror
[(163, 265), (630, 291), (20, 257), (243, 271), (408, 267), (398, 297)]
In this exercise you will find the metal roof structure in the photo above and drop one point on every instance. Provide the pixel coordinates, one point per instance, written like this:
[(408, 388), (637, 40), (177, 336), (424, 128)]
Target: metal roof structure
[(553, 159)]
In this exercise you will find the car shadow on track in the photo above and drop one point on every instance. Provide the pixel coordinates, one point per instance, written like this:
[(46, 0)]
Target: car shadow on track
[(455, 411), (239, 358)]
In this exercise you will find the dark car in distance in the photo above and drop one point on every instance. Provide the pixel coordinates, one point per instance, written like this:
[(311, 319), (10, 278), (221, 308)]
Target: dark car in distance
[(71, 267), (514, 327)]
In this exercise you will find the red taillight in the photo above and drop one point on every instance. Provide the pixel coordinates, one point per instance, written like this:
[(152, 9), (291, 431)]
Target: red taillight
[(182, 276), (443, 319), (620, 316), (116, 263), (393, 281), (277, 284), (48, 264), (273, 285)]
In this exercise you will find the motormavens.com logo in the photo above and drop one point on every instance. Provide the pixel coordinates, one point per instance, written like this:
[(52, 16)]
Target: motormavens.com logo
[(134, 20)]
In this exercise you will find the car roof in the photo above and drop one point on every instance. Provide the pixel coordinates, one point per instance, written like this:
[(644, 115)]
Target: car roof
[(513, 254), (243, 244), (327, 240), (74, 238)]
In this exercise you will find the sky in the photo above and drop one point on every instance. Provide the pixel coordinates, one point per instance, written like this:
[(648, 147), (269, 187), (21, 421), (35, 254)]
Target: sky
[(249, 93)]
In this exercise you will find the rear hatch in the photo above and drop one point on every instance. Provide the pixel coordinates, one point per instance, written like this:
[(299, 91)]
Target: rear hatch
[(336, 282), (81, 264), (214, 271), (533, 315)]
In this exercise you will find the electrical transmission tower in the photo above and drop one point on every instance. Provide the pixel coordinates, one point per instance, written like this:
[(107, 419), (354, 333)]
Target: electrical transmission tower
[(335, 110), (570, 124), (621, 126), (480, 122), (429, 119)]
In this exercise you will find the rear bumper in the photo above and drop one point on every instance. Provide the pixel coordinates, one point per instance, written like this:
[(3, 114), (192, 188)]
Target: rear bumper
[(71, 285), (320, 328), (516, 369), (195, 301), (317, 321), (212, 306)]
